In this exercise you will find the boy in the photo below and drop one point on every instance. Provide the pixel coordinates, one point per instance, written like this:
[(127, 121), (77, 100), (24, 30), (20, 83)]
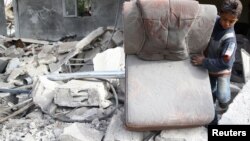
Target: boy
[(220, 54)]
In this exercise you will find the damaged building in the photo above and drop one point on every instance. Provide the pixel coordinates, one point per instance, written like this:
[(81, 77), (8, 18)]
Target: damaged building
[(65, 74)]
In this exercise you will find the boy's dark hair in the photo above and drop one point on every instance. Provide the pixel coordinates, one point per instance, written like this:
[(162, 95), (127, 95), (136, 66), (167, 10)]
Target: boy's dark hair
[(231, 6)]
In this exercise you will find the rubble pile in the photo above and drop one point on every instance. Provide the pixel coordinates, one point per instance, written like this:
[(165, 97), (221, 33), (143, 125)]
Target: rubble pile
[(35, 107)]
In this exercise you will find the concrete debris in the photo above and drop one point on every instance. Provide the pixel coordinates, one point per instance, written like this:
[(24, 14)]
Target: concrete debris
[(14, 74), (117, 132), (30, 129), (111, 59), (6, 85), (118, 37), (239, 110), (81, 132), (75, 93), (47, 59), (25, 40), (79, 46), (85, 114), (185, 134), (14, 52), (13, 64), (106, 41), (96, 91), (3, 64), (43, 93), (66, 47)]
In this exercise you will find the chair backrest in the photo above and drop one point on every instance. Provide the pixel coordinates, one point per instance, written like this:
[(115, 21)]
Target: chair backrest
[(167, 29)]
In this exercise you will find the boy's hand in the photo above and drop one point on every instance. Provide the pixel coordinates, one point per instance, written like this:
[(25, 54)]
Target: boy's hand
[(197, 59)]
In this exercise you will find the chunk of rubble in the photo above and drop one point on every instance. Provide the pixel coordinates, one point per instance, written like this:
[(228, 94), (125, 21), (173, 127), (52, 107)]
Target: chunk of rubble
[(72, 94), (81, 132), (85, 114), (13, 64), (3, 64), (14, 74), (117, 132), (14, 52), (66, 47), (184, 134), (110, 60), (93, 90), (47, 59), (118, 37), (43, 93), (79, 46)]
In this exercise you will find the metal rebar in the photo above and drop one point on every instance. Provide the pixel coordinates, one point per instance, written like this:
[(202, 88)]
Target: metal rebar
[(92, 74)]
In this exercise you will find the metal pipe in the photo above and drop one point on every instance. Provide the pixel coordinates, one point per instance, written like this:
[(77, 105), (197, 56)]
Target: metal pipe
[(15, 91), (92, 74)]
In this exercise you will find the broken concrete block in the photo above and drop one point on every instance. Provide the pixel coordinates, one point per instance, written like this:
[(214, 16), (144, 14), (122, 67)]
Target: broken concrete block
[(71, 98), (47, 60), (66, 47), (81, 132), (239, 110), (110, 60), (6, 85), (99, 87), (43, 93), (14, 52), (39, 71), (117, 132), (118, 37), (15, 73), (106, 37), (86, 114), (3, 64), (106, 42), (89, 55), (47, 49), (13, 64), (185, 134)]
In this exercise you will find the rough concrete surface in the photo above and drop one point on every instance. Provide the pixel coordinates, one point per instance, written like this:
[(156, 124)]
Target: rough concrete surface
[(3, 24), (185, 134), (239, 110)]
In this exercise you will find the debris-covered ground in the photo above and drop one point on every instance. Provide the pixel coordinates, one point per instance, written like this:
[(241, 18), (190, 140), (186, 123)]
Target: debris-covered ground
[(37, 103)]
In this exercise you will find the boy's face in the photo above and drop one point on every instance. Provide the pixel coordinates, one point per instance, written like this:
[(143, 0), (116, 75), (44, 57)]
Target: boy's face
[(227, 20)]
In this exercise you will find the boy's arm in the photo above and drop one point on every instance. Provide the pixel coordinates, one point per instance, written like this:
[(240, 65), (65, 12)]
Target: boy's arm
[(214, 65), (222, 63)]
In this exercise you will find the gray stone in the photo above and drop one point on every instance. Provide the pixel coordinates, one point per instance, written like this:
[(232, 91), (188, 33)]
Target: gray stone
[(13, 64), (66, 47), (117, 132), (184, 134), (110, 60), (3, 64), (81, 132), (118, 37), (43, 93)]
